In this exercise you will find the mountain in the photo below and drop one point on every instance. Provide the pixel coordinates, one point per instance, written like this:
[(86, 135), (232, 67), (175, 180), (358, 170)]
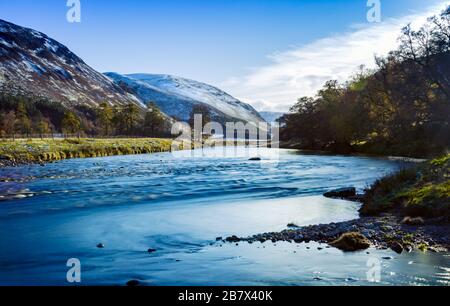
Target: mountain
[(177, 96), (271, 116), (35, 65), (31, 63)]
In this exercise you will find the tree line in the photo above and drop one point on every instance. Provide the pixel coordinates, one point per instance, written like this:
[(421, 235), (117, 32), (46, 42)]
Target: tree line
[(22, 116), (401, 107)]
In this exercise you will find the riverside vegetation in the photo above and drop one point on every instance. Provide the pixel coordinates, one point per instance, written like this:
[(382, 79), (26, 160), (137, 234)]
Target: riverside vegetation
[(22, 151), (405, 211), (401, 108)]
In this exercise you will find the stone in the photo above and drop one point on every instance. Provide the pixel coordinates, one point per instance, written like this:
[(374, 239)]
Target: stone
[(408, 248), (367, 233), (350, 242), (233, 239), (255, 159), (413, 221), (341, 193), (396, 247)]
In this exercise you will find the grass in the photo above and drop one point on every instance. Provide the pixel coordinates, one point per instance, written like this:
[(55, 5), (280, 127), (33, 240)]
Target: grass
[(423, 191), (47, 150)]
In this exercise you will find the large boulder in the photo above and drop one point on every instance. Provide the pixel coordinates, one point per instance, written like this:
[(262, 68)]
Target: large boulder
[(342, 193), (350, 242)]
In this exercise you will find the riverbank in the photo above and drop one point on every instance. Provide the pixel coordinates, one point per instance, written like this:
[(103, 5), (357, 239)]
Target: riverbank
[(405, 211), (22, 151), (362, 149), (382, 232)]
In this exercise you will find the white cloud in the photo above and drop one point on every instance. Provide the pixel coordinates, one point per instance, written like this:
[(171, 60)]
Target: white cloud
[(302, 71)]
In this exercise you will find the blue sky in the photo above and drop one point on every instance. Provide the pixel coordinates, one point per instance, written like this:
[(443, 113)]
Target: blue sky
[(228, 43)]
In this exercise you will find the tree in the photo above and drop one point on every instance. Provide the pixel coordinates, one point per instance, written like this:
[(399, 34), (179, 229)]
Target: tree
[(71, 123), (400, 108), (23, 122), (8, 124), (153, 121), (43, 126), (131, 114), (105, 116)]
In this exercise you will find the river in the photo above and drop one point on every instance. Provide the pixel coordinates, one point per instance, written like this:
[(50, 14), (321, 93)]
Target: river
[(178, 205)]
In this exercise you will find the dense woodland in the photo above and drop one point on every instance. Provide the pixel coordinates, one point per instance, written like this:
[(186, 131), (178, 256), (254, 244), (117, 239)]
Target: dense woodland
[(24, 116), (402, 107)]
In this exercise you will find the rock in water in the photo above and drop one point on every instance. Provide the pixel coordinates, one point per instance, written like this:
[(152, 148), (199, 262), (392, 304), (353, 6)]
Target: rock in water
[(151, 250), (397, 247), (233, 239), (350, 242), (341, 193)]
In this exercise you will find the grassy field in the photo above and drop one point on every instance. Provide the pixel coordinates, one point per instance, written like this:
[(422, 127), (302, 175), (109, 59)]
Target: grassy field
[(423, 191), (47, 150)]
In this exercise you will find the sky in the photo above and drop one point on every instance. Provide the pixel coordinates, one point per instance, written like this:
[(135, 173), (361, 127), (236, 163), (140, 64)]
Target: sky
[(265, 52)]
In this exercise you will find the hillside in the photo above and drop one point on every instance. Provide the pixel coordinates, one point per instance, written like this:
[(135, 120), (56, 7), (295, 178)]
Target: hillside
[(33, 64), (177, 96)]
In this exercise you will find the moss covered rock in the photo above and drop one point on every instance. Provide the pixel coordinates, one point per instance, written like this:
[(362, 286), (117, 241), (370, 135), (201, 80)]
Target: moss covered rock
[(350, 242)]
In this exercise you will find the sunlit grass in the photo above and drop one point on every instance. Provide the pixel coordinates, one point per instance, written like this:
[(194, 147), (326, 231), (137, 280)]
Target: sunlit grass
[(421, 191), (38, 150)]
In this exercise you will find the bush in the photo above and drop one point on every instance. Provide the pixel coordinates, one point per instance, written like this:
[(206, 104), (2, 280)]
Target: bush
[(422, 191)]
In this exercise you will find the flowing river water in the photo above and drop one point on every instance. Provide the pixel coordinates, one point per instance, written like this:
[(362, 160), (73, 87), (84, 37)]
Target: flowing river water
[(178, 205)]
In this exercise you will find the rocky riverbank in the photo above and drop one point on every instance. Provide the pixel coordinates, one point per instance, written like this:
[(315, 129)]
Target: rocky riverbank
[(383, 232), (404, 211)]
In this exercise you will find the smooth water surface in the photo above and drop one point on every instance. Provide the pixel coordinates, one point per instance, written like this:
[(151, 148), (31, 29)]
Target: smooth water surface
[(178, 206)]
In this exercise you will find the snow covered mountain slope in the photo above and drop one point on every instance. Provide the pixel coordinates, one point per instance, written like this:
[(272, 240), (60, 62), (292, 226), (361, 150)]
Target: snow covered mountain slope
[(177, 96), (32, 63)]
